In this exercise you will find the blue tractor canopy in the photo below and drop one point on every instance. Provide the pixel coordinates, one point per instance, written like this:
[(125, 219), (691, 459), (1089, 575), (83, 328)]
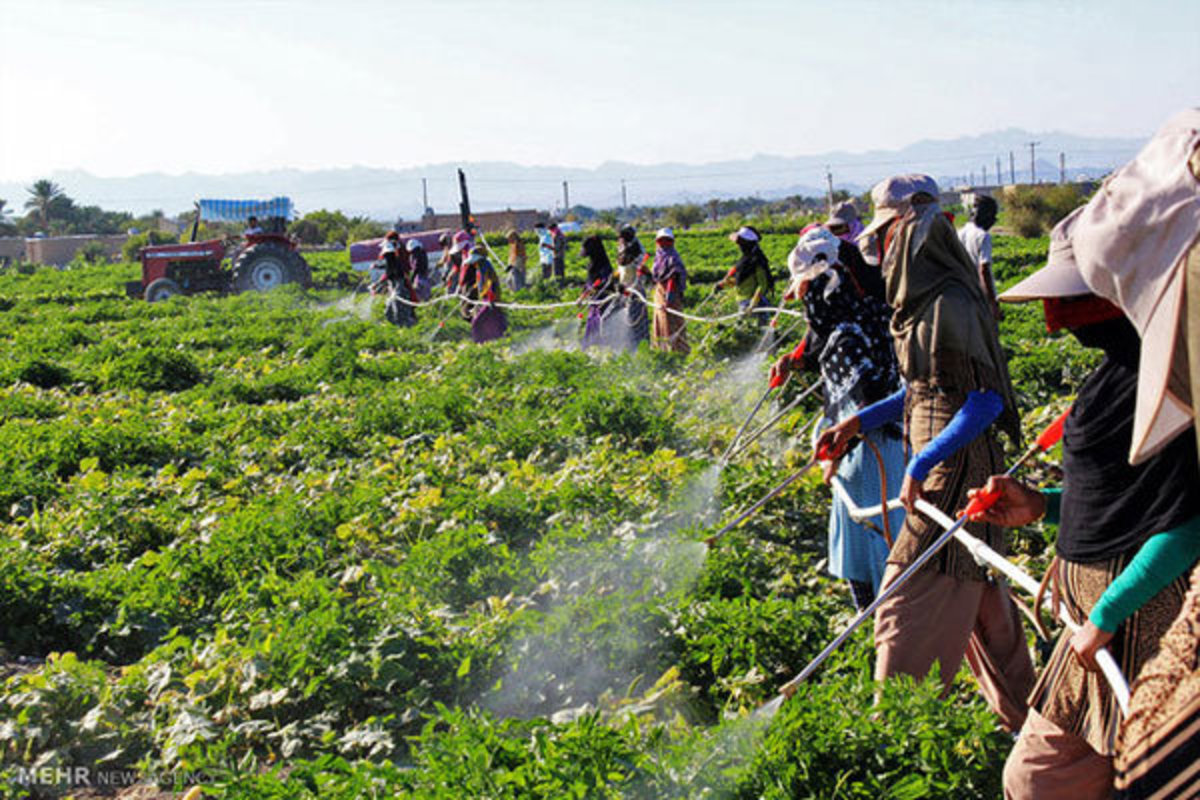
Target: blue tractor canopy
[(242, 210)]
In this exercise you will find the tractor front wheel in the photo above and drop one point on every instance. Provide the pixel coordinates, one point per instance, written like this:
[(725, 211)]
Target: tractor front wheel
[(266, 265), (161, 289)]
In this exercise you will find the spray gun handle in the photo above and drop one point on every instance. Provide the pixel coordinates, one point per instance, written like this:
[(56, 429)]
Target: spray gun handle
[(981, 502)]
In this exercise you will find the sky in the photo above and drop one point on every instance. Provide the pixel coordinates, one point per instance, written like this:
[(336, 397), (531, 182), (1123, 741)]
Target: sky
[(123, 87)]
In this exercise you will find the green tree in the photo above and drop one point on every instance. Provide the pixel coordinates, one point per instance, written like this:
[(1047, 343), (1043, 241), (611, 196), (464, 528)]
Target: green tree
[(45, 197), (685, 216), (6, 223)]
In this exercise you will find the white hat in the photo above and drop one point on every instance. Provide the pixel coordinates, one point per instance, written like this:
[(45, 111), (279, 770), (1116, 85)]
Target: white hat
[(389, 246), (1130, 242), (413, 244), (664, 233), (891, 197), (816, 252), (1060, 277), (743, 233)]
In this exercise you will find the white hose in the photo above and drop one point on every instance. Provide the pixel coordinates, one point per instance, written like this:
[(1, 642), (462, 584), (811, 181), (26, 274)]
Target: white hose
[(986, 555)]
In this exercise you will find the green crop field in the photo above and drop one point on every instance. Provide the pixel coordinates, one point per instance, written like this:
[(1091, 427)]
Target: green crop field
[(272, 545)]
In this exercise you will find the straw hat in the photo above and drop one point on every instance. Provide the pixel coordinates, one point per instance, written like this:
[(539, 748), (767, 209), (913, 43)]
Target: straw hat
[(891, 197)]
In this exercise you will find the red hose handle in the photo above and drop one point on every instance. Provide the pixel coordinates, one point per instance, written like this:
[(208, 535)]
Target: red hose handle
[(1053, 433), (981, 502), (777, 381)]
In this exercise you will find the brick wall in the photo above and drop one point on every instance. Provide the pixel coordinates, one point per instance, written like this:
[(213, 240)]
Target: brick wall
[(59, 250)]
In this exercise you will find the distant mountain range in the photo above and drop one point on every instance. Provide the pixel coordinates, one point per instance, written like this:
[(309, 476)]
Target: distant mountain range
[(386, 194)]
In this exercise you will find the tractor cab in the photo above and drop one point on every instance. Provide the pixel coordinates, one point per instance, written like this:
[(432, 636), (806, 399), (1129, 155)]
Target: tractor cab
[(265, 258)]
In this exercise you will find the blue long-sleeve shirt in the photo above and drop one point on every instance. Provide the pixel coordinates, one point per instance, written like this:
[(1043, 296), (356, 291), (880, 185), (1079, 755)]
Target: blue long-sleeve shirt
[(977, 413)]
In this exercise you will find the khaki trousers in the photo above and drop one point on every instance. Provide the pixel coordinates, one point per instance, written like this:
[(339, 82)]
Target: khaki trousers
[(934, 618), (1048, 762)]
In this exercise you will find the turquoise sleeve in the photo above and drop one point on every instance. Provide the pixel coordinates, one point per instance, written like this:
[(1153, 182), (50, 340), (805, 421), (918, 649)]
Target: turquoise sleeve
[(1163, 558), (1053, 505)]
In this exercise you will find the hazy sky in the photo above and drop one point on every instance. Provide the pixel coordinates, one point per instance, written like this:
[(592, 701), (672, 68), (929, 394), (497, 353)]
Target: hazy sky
[(118, 87)]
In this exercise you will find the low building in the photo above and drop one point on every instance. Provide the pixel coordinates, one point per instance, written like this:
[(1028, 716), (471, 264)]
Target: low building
[(59, 250), (488, 221)]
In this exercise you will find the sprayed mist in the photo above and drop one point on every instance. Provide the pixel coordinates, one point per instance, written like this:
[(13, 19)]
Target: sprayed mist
[(354, 306), (589, 647)]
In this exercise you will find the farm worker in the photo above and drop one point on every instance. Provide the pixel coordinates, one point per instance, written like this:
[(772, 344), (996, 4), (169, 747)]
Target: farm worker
[(956, 386), (516, 261), (460, 247), (849, 345), (1136, 245), (867, 275), (419, 262), (487, 321), (670, 281), (396, 276), (252, 226), (545, 249), (977, 241), (443, 268), (1126, 537), (560, 252), (751, 275), (844, 222), (601, 295), (631, 266)]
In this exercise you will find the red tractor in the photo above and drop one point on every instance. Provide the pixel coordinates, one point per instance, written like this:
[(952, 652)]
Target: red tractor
[(266, 258)]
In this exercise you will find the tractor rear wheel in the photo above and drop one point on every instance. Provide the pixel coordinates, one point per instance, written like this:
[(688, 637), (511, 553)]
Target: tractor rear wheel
[(266, 265), (161, 289)]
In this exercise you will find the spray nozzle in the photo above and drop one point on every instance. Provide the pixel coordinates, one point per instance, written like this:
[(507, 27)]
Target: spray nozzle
[(1053, 433), (981, 502)]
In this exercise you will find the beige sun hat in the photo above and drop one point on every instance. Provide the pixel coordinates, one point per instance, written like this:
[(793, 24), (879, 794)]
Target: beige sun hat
[(1130, 243), (891, 197), (1060, 277)]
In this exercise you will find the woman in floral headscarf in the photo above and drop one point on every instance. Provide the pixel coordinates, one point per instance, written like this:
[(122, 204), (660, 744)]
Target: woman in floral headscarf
[(670, 281), (849, 345)]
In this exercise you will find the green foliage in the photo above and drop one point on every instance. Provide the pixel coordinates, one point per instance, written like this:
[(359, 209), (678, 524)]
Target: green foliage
[(269, 537), (134, 243), (1032, 211)]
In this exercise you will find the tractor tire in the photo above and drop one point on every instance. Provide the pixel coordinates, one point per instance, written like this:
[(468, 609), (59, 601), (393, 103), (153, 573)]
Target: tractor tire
[(161, 289), (266, 265)]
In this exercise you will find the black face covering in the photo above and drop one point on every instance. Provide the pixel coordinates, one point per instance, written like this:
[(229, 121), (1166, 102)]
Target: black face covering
[(1108, 506)]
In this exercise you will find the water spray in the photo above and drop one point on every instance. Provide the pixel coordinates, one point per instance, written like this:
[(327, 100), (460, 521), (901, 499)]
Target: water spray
[(752, 438), (775, 383)]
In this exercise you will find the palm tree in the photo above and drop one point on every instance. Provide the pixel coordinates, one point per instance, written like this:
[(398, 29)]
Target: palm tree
[(5, 213), (42, 197)]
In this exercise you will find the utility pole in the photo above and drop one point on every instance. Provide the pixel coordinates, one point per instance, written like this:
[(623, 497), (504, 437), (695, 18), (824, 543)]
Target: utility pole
[(983, 181), (464, 202), (624, 196), (971, 179), (829, 182), (999, 172), (424, 196), (566, 199), (1062, 167), (1032, 162), (1012, 168)]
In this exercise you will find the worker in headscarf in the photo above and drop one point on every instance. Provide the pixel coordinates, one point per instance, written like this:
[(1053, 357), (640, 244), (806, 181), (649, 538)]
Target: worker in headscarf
[(670, 281), (545, 249), (631, 270), (516, 261), (1126, 538), (488, 321), (1136, 244), (977, 241), (849, 346), (601, 295), (418, 260), (446, 264), (956, 394), (559, 240), (844, 222), (751, 275), (397, 280)]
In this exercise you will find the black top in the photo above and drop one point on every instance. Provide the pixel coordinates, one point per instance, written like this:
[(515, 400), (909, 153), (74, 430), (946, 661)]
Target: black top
[(420, 263), (868, 278), (1108, 506), (395, 267)]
